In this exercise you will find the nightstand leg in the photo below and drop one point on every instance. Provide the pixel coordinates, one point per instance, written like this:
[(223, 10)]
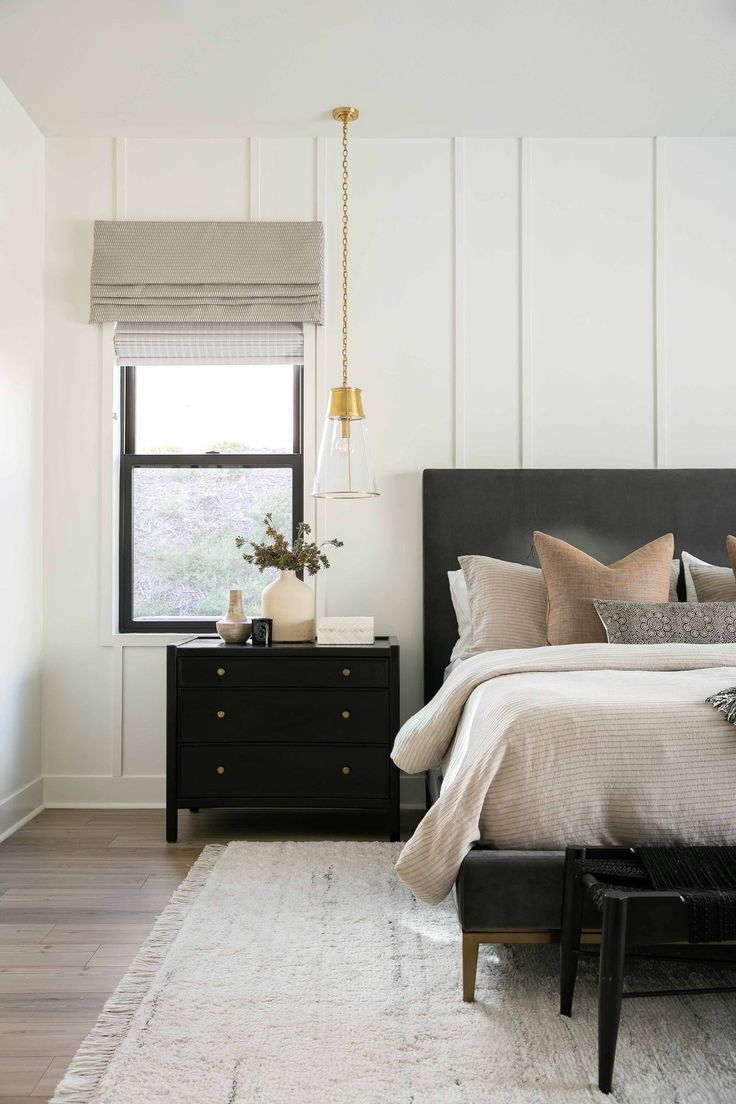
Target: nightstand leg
[(172, 823), (394, 825)]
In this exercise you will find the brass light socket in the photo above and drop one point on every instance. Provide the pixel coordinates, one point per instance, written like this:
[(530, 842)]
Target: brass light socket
[(345, 402)]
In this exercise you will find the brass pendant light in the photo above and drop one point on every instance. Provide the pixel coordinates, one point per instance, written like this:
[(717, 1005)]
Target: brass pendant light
[(344, 468)]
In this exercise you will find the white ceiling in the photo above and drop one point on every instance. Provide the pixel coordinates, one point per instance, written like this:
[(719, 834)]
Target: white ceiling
[(413, 67)]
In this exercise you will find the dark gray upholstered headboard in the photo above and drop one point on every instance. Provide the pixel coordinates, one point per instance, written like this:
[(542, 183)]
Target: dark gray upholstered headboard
[(606, 512)]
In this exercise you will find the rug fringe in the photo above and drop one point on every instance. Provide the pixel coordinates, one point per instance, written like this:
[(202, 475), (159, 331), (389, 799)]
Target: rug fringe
[(96, 1052)]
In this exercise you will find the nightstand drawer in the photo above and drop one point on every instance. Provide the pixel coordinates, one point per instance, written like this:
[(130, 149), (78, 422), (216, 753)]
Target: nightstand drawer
[(229, 714), (260, 771), (269, 670)]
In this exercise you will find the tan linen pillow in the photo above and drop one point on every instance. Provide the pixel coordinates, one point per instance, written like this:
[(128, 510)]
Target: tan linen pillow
[(508, 603), (574, 579)]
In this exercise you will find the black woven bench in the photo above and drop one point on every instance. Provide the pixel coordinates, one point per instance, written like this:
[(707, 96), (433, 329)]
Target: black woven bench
[(626, 886)]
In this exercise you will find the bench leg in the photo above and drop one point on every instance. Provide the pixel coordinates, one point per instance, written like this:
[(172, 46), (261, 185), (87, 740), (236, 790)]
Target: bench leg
[(471, 944), (610, 986), (573, 900)]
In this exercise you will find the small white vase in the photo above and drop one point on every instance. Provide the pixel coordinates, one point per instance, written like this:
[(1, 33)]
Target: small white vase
[(234, 627), (290, 604)]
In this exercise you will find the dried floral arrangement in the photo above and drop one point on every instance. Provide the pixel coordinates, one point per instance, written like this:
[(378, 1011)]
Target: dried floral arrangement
[(275, 551)]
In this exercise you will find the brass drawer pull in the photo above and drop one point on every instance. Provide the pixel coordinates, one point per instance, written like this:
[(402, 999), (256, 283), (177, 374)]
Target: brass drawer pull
[(220, 770), (346, 770), (221, 670), (346, 672), (346, 714), (220, 713)]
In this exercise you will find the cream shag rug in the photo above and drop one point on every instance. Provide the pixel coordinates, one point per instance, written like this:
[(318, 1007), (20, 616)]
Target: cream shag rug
[(305, 973)]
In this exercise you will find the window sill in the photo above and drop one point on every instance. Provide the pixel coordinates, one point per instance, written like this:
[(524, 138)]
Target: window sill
[(143, 639)]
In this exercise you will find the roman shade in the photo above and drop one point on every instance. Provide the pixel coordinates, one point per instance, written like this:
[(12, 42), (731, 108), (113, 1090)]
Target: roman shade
[(209, 343), (207, 272)]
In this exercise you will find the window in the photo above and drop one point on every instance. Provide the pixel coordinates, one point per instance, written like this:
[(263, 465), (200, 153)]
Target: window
[(206, 452)]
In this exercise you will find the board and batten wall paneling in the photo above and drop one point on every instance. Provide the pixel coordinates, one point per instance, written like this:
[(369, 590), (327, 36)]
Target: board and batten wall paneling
[(554, 286), (590, 298), (78, 689), (400, 353), (186, 178), (698, 300), (144, 711), (489, 254), (287, 178)]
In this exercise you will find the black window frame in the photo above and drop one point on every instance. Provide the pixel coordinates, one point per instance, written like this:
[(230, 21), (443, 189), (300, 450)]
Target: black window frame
[(130, 460)]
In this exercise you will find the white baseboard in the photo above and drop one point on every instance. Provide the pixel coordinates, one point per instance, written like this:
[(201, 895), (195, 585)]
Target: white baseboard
[(99, 791), (96, 791), (104, 805), (18, 808)]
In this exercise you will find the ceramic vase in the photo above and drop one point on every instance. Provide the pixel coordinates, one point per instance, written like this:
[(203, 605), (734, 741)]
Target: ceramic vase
[(234, 627), (290, 604)]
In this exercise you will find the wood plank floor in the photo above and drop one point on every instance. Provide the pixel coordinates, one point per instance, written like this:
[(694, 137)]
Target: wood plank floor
[(79, 892)]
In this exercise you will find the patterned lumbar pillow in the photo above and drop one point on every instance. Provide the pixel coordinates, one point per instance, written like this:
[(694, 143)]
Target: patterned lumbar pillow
[(725, 702), (668, 622)]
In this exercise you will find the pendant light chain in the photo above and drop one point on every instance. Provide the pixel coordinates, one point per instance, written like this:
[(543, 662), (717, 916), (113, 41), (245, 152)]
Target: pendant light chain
[(345, 252)]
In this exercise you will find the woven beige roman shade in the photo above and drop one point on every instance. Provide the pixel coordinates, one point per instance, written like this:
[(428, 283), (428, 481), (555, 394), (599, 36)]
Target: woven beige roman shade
[(207, 272), (209, 343)]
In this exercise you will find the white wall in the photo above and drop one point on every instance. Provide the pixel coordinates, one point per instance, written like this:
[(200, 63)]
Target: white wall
[(21, 406), (540, 302)]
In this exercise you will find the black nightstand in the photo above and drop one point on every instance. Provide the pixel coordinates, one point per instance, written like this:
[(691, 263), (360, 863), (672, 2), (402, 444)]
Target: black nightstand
[(294, 726)]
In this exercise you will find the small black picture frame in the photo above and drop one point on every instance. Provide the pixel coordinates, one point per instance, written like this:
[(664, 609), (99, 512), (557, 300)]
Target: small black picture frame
[(261, 632)]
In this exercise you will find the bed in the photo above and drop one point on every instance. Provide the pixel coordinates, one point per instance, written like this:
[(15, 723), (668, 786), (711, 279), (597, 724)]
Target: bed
[(512, 895)]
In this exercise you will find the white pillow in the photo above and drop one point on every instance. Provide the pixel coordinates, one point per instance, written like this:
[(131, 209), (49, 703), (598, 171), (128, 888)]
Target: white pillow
[(508, 603), (706, 582), (461, 605)]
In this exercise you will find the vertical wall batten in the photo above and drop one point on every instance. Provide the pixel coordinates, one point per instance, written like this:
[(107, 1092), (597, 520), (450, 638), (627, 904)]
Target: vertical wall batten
[(120, 148), (526, 399), (658, 305), (460, 443), (320, 372), (254, 170), (109, 426)]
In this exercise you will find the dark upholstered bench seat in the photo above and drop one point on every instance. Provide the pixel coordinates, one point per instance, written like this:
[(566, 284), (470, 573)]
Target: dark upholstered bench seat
[(506, 897), (511, 890)]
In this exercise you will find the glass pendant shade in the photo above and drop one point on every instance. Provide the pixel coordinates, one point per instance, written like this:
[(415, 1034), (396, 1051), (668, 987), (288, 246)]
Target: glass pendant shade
[(344, 467)]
